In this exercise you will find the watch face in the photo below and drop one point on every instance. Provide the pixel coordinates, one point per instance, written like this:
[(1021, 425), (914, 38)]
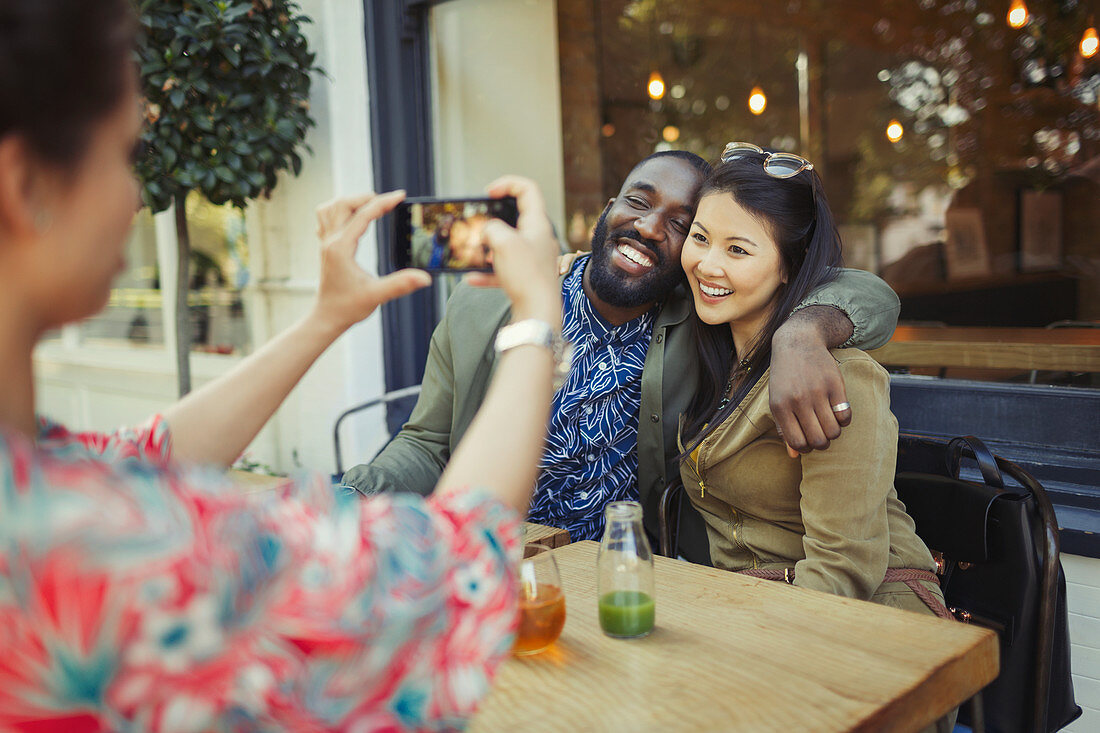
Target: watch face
[(538, 333), (530, 331)]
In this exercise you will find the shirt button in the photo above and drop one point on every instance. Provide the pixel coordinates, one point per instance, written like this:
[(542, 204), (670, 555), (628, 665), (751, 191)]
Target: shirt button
[(601, 366), (584, 495), (588, 410), (591, 458), (655, 417)]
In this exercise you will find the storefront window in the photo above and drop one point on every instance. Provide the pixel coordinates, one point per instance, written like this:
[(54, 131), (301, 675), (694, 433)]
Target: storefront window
[(961, 156), (219, 271), (133, 314)]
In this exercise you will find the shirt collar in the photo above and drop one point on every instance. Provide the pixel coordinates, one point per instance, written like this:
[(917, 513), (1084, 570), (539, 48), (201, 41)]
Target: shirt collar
[(579, 308), (676, 308)]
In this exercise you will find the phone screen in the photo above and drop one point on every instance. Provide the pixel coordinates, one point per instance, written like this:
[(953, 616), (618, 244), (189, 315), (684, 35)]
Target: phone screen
[(445, 235)]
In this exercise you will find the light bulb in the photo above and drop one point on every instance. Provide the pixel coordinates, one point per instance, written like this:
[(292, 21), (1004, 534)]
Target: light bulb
[(1089, 43), (757, 101), (608, 129), (656, 86), (1017, 14), (671, 133), (894, 131)]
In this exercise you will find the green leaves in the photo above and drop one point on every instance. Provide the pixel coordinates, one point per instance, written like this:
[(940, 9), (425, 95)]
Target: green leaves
[(286, 129), (226, 86)]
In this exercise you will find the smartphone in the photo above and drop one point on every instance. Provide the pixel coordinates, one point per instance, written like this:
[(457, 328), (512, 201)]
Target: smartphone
[(445, 235)]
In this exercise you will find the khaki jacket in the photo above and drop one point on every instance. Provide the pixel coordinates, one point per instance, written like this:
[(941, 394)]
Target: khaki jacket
[(461, 360), (832, 515)]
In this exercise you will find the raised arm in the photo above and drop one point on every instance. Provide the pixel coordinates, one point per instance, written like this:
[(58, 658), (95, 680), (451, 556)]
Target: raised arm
[(497, 449), (216, 422), (856, 309)]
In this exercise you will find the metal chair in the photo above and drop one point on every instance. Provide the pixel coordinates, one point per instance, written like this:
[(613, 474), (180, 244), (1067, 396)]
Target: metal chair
[(668, 517), (386, 399)]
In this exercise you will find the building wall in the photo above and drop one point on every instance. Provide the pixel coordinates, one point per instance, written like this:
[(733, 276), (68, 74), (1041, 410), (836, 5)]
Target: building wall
[(497, 96), (102, 388), (1083, 601)]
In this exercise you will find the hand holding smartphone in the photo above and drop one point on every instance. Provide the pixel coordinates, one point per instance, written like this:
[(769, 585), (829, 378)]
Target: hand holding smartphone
[(445, 235)]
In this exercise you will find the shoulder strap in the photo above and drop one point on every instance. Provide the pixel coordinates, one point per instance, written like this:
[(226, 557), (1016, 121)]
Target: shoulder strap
[(987, 464)]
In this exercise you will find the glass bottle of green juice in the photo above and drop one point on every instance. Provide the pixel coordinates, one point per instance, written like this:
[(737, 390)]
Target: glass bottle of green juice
[(625, 566)]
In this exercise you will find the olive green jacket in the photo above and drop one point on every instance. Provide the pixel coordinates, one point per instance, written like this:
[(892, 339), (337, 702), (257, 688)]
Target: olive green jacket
[(833, 516), (461, 360)]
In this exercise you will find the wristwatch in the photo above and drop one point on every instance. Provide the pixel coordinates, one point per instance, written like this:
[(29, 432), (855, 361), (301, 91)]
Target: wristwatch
[(538, 333)]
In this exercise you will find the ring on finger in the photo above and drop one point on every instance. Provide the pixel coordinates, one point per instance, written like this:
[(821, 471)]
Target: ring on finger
[(841, 407)]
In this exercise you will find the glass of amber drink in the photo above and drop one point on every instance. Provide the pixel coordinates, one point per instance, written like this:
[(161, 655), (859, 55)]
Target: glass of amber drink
[(541, 602)]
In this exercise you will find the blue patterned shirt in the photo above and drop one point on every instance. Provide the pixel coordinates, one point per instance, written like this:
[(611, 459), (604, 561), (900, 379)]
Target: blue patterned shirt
[(591, 453)]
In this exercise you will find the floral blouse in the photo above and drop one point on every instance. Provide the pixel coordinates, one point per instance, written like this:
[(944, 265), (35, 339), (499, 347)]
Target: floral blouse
[(136, 595)]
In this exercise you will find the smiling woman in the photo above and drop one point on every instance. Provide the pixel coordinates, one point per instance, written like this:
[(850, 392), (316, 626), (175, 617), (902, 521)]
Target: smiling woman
[(734, 268), (769, 240), (830, 520)]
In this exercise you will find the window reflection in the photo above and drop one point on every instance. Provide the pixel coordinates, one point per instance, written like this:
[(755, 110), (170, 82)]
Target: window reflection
[(219, 272), (961, 156), (133, 313)]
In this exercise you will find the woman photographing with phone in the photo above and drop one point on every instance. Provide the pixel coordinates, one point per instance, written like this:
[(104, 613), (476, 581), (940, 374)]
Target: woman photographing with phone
[(762, 238), (139, 588)]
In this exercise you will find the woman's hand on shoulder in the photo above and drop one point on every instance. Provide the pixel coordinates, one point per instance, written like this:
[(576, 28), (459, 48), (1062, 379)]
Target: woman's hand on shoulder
[(348, 293), (525, 258), (565, 262)]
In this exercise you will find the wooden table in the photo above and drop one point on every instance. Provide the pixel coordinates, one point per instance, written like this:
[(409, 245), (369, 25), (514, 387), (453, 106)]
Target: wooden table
[(543, 535), (253, 482), (733, 653), (1059, 349)]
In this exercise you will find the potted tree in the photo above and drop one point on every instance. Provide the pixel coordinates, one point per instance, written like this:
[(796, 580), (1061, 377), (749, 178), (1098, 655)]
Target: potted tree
[(226, 87)]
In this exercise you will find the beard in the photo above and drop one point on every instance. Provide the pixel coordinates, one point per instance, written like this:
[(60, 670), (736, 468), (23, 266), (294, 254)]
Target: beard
[(618, 289)]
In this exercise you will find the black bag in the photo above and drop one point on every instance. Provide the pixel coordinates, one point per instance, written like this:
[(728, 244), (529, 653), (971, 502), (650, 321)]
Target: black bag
[(999, 568)]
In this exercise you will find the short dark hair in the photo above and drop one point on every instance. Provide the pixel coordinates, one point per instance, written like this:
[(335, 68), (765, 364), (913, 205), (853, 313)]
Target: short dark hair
[(797, 215), (62, 70), (696, 162)]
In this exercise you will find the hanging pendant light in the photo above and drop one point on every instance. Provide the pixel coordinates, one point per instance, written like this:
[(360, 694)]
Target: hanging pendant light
[(656, 85), (1017, 14), (757, 101), (894, 131), (1090, 43)]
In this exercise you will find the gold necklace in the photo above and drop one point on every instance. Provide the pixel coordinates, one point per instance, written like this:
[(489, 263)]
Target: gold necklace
[(741, 367)]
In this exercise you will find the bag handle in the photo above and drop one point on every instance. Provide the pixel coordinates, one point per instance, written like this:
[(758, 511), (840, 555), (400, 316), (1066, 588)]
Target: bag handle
[(987, 464)]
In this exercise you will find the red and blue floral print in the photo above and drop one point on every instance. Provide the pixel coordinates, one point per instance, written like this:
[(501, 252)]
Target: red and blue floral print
[(136, 595)]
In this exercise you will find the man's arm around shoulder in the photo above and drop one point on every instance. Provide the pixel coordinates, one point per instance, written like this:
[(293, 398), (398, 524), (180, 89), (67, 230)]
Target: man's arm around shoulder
[(868, 310), (807, 393)]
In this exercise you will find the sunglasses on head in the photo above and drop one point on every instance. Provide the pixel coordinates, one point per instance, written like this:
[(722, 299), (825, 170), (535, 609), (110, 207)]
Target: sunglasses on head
[(776, 165)]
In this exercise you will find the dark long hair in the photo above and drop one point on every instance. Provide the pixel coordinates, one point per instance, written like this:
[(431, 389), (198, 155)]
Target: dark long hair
[(62, 70), (794, 211)]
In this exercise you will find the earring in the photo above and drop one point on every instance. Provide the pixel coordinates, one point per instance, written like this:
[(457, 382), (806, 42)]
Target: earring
[(42, 221)]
